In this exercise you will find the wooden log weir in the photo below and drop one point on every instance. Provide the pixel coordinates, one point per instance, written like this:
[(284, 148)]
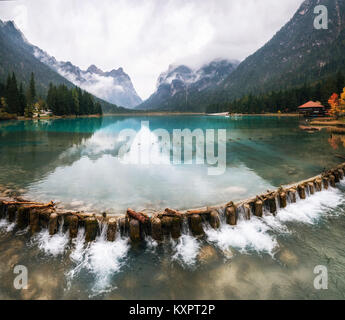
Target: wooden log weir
[(167, 223)]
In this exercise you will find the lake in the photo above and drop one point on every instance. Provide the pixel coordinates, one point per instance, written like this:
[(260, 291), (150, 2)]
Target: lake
[(77, 163)]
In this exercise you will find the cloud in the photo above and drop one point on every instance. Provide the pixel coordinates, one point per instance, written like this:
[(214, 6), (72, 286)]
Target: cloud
[(144, 37)]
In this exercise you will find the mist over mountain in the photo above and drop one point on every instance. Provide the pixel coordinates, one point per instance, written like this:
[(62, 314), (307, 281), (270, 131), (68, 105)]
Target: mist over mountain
[(17, 55), (175, 85), (114, 86), (298, 54)]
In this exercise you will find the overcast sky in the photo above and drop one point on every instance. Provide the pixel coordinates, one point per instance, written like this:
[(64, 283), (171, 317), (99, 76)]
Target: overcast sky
[(146, 36)]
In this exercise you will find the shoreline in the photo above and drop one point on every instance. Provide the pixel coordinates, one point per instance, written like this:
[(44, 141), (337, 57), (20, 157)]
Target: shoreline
[(227, 114), (154, 114)]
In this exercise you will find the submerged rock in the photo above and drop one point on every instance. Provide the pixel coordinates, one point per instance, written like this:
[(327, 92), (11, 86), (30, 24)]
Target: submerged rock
[(288, 258), (207, 254)]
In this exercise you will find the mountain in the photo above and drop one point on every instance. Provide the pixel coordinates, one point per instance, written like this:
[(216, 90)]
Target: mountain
[(298, 54), (176, 84), (17, 55), (114, 86)]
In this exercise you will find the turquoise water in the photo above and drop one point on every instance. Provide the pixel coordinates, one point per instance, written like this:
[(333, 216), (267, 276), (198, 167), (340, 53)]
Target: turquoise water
[(76, 162)]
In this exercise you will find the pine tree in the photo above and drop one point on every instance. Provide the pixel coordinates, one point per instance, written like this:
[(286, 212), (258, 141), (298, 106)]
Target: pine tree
[(22, 100), (12, 95), (31, 94)]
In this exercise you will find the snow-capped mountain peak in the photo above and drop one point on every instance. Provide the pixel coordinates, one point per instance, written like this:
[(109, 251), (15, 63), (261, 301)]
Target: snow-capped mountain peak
[(114, 86)]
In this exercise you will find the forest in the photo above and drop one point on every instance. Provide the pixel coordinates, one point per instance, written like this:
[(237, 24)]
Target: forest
[(19, 101), (283, 101)]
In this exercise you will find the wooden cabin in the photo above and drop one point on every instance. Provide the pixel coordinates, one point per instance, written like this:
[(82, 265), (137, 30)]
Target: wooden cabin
[(313, 109)]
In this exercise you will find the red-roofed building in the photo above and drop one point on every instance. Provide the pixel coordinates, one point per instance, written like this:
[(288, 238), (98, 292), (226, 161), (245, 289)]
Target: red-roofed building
[(313, 109)]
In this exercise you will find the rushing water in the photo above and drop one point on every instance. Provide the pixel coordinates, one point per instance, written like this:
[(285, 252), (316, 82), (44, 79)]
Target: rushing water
[(273, 257)]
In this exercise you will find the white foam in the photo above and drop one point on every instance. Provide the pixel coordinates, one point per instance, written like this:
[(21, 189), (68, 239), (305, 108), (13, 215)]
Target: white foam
[(79, 246), (186, 249), (52, 245), (312, 208), (245, 236), (4, 224), (101, 257), (259, 235), (151, 244)]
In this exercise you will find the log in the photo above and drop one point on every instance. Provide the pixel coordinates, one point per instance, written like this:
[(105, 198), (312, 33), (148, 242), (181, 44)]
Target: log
[(123, 224), (258, 208), (325, 182), (3, 209), (137, 215), (23, 217), (31, 205), (34, 221), (73, 226), (53, 224), (44, 216), (336, 176), (91, 228), (112, 228), (11, 212), (272, 204), (195, 224), (332, 181), (318, 184), (301, 191), (247, 211), (176, 227), (134, 230), (282, 200), (293, 195), (198, 211), (166, 225), (231, 215), (214, 219), (311, 187), (156, 227), (172, 212)]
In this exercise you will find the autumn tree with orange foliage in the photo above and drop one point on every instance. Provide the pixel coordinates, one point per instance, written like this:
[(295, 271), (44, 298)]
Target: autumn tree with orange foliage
[(337, 104)]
